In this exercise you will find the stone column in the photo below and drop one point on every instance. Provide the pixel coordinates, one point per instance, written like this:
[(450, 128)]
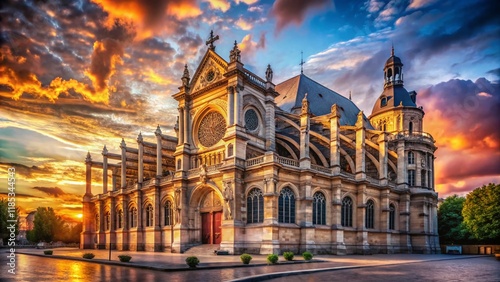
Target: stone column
[(159, 170), (123, 146), (270, 125), (88, 174), (338, 244), (230, 105), (181, 126), (334, 139), (401, 164), (305, 161), (360, 147), (140, 161), (236, 105), (105, 171), (383, 158), (186, 131)]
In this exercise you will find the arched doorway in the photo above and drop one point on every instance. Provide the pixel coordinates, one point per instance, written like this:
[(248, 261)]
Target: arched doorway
[(211, 218)]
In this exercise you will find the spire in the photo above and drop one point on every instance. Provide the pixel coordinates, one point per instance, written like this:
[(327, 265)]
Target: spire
[(122, 144), (392, 50), (350, 98), (305, 105), (301, 63), (185, 77), (139, 138), (211, 40), (104, 150)]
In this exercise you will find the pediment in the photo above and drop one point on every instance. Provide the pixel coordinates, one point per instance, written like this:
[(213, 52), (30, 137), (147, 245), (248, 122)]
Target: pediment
[(211, 69)]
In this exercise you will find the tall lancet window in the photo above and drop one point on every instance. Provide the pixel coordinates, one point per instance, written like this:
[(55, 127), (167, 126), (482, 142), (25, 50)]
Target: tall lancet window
[(286, 206)]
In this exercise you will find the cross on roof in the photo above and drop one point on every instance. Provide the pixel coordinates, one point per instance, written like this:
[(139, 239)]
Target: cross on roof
[(301, 63), (211, 40)]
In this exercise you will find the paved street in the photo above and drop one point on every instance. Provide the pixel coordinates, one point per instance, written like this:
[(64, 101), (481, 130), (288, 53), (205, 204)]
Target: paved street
[(67, 265)]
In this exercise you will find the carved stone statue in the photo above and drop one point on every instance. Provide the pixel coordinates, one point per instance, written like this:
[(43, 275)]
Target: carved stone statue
[(177, 199), (228, 199), (203, 174), (269, 74), (234, 54), (305, 105)]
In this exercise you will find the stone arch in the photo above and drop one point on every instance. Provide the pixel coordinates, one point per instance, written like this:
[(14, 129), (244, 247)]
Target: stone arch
[(290, 185), (197, 211)]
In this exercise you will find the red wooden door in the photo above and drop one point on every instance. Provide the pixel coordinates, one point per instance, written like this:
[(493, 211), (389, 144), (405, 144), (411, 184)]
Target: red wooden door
[(206, 228), (217, 230)]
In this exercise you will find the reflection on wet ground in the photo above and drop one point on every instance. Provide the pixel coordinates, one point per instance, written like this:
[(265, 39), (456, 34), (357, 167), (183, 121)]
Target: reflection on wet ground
[(34, 268)]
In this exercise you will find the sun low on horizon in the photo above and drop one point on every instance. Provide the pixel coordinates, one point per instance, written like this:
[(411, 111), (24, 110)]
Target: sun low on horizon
[(78, 76)]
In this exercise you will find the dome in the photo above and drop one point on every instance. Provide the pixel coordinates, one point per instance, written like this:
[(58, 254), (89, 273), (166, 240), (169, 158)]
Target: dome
[(393, 60)]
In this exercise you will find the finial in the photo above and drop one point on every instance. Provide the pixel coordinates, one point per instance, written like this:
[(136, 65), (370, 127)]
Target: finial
[(350, 98), (185, 77), (122, 144), (211, 40), (392, 50), (88, 159), (139, 137), (104, 150), (158, 130), (234, 54), (301, 63)]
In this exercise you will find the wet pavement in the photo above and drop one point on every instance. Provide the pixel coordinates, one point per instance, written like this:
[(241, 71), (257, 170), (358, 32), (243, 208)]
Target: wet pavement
[(68, 265)]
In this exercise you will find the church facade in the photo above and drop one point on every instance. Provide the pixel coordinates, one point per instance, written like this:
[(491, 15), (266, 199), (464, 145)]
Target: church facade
[(258, 167)]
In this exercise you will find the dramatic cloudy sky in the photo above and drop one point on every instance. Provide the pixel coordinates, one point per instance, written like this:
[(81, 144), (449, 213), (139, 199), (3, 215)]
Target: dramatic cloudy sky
[(75, 75)]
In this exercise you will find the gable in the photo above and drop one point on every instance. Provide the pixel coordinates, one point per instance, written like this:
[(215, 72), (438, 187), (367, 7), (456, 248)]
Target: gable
[(211, 69)]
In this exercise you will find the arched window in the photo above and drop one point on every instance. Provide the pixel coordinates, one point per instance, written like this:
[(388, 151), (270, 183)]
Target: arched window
[(411, 157), (370, 214), (133, 216), (346, 216), (107, 221), (168, 212), (119, 219), (255, 206), (392, 216), (383, 102), (319, 208), (149, 215), (286, 206)]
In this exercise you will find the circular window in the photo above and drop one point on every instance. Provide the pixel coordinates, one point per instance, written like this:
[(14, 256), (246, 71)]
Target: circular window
[(212, 128), (251, 120), (210, 75)]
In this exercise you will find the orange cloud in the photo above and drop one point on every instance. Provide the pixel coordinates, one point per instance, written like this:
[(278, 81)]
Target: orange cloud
[(149, 16), (222, 5)]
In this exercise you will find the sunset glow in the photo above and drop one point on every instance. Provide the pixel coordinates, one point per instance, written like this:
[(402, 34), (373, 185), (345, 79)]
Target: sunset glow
[(78, 75)]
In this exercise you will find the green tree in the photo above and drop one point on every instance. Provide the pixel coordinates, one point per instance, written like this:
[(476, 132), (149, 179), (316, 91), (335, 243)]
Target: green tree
[(450, 221), (47, 226), (481, 213), (4, 216)]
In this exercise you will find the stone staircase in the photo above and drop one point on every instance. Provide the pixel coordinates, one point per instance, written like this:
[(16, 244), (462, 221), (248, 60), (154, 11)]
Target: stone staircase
[(205, 249)]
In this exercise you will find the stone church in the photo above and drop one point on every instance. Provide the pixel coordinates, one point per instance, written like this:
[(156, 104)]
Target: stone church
[(262, 168)]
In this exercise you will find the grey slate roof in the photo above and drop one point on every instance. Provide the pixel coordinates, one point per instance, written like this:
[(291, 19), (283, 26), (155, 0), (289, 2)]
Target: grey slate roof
[(396, 95), (292, 91)]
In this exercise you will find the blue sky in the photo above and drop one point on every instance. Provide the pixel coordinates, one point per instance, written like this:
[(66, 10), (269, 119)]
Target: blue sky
[(77, 75)]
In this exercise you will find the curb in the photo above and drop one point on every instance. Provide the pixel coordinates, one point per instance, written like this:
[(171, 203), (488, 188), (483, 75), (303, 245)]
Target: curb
[(165, 269)]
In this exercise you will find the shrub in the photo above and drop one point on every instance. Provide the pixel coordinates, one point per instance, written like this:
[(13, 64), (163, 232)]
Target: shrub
[(192, 261), (307, 255), (288, 255), (124, 258), (88, 256), (272, 259), (246, 258), (48, 252)]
